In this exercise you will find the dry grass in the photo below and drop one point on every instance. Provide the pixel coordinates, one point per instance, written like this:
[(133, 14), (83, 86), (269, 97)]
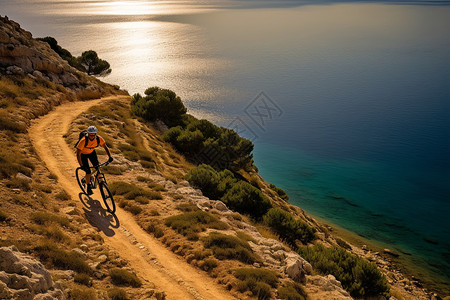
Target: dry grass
[(124, 278)]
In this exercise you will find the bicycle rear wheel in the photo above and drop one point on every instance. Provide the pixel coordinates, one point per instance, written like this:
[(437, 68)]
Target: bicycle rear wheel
[(81, 180), (107, 197)]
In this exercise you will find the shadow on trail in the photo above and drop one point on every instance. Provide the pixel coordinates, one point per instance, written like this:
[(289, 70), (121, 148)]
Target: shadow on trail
[(98, 216)]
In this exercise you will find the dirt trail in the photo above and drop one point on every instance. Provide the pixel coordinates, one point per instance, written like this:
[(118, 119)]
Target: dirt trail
[(148, 257)]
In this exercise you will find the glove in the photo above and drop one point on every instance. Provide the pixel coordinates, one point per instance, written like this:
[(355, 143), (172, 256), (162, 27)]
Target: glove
[(110, 159)]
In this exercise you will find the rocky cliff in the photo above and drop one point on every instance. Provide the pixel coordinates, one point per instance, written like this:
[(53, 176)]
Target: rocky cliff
[(22, 55)]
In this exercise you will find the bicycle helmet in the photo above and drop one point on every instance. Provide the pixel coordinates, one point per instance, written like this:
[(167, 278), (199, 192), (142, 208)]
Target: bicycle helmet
[(92, 129)]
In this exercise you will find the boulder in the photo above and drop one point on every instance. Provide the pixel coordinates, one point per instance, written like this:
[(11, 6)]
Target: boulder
[(22, 277), (297, 268), (15, 70), (220, 206), (24, 177), (320, 287)]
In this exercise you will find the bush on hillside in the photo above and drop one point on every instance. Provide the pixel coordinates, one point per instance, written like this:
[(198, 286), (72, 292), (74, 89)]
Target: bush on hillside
[(292, 291), (200, 140), (246, 199), (49, 252), (190, 223), (258, 281), (117, 294), (280, 192), (359, 277), (88, 62), (288, 228), (205, 178), (132, 192), (124, 277), (82, 293), (162, 104), (230, 247)]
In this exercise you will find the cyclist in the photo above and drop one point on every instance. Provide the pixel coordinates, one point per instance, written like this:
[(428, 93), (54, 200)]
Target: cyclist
[(86, 150)]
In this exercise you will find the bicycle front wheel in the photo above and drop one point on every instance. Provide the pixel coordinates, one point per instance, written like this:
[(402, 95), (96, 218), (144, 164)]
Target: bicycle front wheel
[(107, 197), (81, 180)]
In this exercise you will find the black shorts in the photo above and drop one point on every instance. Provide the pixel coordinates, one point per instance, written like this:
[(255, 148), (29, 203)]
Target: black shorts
[(92, 157)]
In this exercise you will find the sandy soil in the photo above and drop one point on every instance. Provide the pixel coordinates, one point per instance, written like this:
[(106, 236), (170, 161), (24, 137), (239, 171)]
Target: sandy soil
[(147, 256)]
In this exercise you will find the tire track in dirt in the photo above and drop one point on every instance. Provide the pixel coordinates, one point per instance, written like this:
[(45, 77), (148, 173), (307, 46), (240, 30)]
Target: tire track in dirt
[(146, 255)]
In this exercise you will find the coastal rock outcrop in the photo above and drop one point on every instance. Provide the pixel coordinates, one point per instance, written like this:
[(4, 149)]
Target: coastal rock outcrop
[(22, 277), (22, 55)]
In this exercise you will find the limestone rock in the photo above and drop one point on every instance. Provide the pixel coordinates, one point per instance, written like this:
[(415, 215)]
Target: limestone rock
[(102, 258), (319, 287), (23, 177), (14, 70), (220, 206), (22, 277), (80, 252), (297, 268)]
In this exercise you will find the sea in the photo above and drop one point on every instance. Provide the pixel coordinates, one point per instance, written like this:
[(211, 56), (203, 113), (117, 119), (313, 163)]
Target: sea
[(347, 102)]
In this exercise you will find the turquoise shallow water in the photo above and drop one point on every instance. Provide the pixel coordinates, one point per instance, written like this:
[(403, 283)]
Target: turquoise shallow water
[(360, 131)]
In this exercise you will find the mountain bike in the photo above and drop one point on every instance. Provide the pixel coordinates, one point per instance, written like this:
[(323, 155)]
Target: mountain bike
[(97, 179)]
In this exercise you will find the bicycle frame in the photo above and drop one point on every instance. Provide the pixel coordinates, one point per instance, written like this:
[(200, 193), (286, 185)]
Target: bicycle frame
[(98, 179)]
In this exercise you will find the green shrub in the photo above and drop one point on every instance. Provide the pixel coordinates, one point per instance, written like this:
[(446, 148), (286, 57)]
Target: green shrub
[(10, 166), (124, 277), (246, 199), (190, 223), (156, 230), (117, 294), (258, 281), (288, 228), (260, 275), (45, 188), (82, 278), (156, 187), (113, 170), (53, 232), (45, 218), (220, 147), (82, 293), (230, 247), (280, 192), (187, 207), (132, 208), (63, 196), (142, 178), (205, 178), (172, 134), (190, 142), (208, 264), (48, 251), (359, 277), (292, 291), (131, 191), (7, 122), (160, 104), (343, 244), (141, 200), (18, 183)]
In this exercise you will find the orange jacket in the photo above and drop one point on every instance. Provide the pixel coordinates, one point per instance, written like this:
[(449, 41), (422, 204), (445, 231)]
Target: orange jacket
[(91, 145)]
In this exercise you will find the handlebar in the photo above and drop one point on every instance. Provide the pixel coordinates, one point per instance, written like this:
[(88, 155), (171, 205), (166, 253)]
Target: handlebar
[(101, 165)]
